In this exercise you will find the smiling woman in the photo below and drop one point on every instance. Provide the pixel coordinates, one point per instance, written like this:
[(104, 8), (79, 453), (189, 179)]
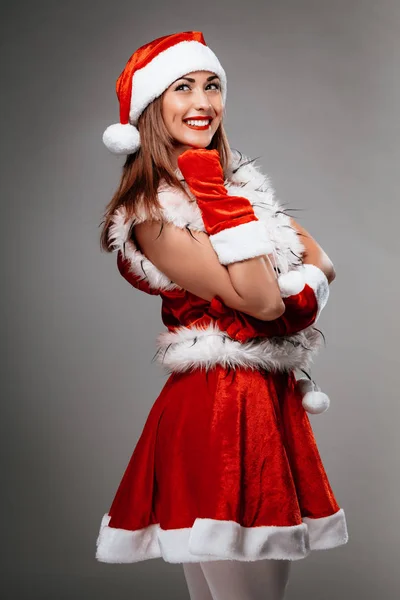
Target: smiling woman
[(226, 477)]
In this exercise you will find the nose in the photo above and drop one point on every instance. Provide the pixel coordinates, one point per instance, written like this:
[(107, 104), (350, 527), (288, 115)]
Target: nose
[(202, 101)]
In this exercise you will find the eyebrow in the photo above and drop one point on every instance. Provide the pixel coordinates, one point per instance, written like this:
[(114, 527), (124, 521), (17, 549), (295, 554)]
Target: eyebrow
[(193, 80)]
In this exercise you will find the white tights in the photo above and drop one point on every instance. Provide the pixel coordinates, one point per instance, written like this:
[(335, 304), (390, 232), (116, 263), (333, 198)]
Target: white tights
[(237, 580)]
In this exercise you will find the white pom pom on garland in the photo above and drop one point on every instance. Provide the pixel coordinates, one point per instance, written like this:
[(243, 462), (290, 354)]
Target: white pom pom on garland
[(314, 401), (291, 283), (122, 138)]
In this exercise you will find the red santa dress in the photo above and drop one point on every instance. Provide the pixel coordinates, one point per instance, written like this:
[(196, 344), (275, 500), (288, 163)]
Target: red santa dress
[(227, 466)]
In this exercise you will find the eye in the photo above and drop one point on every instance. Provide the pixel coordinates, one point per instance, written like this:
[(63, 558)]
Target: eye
[(182, 85)]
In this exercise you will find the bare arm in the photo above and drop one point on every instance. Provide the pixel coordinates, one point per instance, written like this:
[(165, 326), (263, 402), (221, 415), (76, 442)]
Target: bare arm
[(191, 262), (314, 254)]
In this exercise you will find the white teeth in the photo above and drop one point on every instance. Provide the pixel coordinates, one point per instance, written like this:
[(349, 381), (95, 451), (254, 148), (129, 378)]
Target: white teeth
[(200, 123)]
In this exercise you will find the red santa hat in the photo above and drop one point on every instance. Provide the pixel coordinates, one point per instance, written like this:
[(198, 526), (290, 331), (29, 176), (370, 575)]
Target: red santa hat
[(148, 73)]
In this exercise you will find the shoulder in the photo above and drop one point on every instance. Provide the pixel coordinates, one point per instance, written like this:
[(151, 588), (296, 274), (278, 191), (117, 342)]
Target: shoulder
[(179, 208), (122, 221), (175, 207)]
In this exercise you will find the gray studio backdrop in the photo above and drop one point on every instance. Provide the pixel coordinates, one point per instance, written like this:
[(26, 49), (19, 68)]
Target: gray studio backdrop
[(313, 90)]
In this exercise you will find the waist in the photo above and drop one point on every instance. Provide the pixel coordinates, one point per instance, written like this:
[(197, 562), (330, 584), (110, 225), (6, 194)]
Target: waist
[(185, 348)]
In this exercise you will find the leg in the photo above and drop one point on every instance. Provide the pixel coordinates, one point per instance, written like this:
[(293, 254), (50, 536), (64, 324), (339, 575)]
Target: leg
[(196, 582), (247, 580)]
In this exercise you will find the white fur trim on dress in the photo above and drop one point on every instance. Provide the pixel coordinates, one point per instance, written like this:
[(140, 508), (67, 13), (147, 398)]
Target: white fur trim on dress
[(188, 348), (152, 80), (212, 539), (243, 179), (241, 242), (327, 532), (138, 263)]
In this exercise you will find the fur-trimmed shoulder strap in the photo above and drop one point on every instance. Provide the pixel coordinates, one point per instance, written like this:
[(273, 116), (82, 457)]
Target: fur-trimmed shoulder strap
[(243, 178), (178, 209), (242, 171)]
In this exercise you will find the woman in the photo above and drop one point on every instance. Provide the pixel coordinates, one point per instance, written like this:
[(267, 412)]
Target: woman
[(226, 477)]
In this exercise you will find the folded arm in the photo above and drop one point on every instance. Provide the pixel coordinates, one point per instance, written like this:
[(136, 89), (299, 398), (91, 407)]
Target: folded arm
[(305, 292), (314, 254)]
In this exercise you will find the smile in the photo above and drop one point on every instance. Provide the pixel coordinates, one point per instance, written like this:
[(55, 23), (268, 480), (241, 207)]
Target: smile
[(198, 124)]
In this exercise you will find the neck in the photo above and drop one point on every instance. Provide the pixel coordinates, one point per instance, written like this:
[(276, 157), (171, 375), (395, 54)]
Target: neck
[(176, 152)]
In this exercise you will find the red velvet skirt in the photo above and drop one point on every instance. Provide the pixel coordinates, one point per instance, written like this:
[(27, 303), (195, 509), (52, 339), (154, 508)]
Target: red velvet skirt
[(226, 467)]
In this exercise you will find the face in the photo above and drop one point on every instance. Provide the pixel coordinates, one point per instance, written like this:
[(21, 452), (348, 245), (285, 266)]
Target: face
[(196, 95)]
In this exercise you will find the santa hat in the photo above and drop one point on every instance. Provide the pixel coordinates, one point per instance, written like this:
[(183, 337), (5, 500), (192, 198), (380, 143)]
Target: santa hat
[(148, 73)]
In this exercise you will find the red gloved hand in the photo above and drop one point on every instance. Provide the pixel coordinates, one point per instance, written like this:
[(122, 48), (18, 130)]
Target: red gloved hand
[(304, 292), (235, 231), (307, 275)]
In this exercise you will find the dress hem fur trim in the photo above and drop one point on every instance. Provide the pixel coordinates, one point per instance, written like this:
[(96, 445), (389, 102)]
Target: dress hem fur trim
[(211, 539)]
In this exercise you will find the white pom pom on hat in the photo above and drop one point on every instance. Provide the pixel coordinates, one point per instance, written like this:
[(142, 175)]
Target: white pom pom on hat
[(122, 138), (148, 73)]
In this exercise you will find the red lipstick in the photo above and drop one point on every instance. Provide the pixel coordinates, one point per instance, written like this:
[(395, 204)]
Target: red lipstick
[(198, 127)]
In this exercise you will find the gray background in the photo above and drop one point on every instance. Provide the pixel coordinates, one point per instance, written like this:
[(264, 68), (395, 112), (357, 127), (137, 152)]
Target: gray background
[(313, 90)]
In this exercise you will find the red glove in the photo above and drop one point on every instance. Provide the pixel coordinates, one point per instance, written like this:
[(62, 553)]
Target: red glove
[(293, 282), (235, 231), (304, 292), (302, 307)]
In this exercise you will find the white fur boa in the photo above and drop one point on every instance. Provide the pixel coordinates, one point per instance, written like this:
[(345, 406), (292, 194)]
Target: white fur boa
[(188, 348)]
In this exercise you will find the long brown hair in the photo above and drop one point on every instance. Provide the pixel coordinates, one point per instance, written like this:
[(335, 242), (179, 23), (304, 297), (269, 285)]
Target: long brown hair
[(144, 169)]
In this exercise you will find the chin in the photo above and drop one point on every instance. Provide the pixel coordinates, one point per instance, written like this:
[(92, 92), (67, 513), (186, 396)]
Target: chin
[(196, 141), (199, 144)]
